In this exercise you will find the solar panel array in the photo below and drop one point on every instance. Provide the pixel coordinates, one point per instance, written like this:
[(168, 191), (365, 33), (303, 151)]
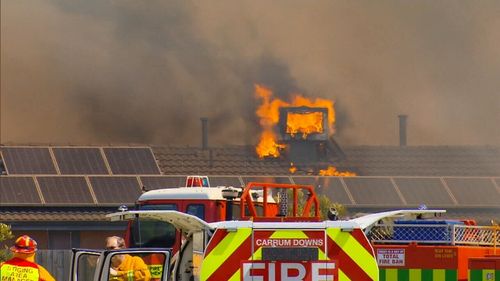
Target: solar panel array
[(373, 191), (329, 186), (115, 190), (74, 175), (28, 160), (269, 179), (418, 191), (158, 182), (225, 181), (473, 191), (65, 190), (113, 176), (359, 191), (79, 161), (131, 161), (18, 190)]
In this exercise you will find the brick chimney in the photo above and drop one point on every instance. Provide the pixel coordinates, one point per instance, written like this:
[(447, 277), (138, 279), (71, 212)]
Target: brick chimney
[(402, 129)]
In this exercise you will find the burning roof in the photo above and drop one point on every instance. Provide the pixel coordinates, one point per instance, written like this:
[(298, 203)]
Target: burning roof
[(303, 124), (298, 122)]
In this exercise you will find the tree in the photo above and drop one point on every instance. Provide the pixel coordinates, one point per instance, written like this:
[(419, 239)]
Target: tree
[(325, 204), (5, 234)]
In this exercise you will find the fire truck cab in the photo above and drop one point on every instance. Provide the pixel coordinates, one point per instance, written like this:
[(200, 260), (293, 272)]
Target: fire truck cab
[(197, 198)]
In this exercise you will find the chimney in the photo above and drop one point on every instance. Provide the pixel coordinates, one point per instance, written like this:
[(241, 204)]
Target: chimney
[(204, 133), (402, 129)]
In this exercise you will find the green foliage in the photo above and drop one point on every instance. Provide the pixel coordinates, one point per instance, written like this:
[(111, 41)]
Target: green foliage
[(5, 234), (324, 205)]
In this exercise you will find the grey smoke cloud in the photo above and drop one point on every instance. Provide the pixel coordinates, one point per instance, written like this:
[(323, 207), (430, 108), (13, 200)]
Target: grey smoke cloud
[(145, 71)]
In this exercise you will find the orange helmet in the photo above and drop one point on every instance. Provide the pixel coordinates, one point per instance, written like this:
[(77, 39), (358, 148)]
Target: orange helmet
[(24, 244)]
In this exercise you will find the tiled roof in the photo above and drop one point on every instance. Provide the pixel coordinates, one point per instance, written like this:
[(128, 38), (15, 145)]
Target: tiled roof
[(233, 160), (54, 215), (364, 160), (217, 161), (425, 160)]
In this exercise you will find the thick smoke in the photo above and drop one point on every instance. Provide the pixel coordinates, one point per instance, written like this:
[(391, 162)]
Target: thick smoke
[(126, 71)]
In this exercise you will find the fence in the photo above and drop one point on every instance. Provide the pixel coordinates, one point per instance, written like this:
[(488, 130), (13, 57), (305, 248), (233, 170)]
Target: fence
[(57, 262), (452, 234)]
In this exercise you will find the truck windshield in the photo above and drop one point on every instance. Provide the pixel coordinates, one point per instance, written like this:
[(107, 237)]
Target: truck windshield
[(152, 233)]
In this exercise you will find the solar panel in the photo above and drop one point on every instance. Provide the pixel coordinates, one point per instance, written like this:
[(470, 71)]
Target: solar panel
[(112, 189), (80, 161), (157, 182), (269, 179), (428, 191), (69, 190), (131, 161), (329, 186), (28, 160), (225, 181), (18, 190), (474, 191), (373, 191)]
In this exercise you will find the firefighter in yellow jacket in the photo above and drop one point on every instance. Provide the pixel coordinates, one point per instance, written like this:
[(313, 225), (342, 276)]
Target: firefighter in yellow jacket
[(22, 266), (126, 267)]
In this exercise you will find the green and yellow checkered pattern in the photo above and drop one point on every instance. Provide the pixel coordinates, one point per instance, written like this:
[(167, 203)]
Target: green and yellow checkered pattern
[(418, 274), (484, 275)]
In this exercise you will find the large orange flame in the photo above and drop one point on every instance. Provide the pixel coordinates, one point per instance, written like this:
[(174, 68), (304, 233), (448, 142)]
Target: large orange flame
[(332, 171), (268, 147), (297, 123), (304, 123)]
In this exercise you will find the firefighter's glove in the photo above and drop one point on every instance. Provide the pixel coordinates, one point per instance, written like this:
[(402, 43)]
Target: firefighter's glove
[(113, 272)]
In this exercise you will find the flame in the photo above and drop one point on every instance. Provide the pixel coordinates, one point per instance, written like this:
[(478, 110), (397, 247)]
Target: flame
[(332, 171), (297, 123), (268, 147), (292, 168), (305, 123)]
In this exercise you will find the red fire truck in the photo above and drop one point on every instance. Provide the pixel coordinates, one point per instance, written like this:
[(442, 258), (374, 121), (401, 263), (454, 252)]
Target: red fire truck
[(270, 232)]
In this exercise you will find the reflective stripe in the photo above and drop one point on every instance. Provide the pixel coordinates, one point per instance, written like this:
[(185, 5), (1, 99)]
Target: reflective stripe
[(235, 277), (418, 274), (355, 250), (438, 274), (223, 250), (14, 273), (343, 276), (391, 274), (130, 275), (489, 274), (351, 250), (415, 274)]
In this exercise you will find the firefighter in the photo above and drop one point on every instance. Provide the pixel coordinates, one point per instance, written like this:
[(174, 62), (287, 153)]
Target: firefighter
[(126, 267), (22, 266)]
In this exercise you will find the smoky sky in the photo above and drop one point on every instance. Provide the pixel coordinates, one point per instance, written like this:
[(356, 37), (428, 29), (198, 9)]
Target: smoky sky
[(123, 71)]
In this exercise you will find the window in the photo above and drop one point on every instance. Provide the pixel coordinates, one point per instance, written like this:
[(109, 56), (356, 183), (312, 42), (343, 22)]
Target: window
[(169, 207), (152, 233), (197, 210)]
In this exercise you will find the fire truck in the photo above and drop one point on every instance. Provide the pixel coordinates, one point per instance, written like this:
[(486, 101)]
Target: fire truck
[(273, 232)]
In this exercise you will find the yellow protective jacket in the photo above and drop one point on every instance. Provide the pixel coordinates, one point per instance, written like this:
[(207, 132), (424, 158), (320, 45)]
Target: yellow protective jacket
[(132, 269), (23, 267)]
